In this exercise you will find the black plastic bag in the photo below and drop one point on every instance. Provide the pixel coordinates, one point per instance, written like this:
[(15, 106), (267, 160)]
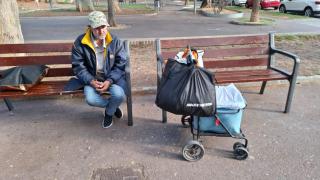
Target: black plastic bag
[(186, 90), (22, 77)]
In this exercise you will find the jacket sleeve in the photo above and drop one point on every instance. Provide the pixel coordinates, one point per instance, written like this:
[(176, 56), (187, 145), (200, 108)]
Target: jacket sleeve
[(78, 67), (118, 69)]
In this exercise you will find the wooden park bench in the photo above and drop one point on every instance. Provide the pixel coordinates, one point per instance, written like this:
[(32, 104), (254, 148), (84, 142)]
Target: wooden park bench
[(235, 59), (58, 57)]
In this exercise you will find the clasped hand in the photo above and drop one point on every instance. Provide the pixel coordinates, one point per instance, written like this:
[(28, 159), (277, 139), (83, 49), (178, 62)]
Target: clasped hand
[(100, 86)]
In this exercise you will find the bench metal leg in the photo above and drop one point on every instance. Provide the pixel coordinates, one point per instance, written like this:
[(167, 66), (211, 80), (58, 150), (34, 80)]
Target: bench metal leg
[(129, 110), (164, 116), (290, 95), (9, 104), (263, 86)]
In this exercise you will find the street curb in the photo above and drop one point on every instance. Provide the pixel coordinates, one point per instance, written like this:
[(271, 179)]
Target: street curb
[(144, 90), (238, 22), (34, 10), (135, 41)]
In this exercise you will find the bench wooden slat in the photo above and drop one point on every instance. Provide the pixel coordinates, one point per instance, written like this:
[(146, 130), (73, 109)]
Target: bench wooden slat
[(30, 60), (218, 53), (248, 76), (228, 52), (44, 88), (59, 72), (246, 72), (228, 63), (35, 48), (214, 41)]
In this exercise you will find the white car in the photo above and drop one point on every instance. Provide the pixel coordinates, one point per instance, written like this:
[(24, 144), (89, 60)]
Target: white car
[(308, 7), (236, 2)]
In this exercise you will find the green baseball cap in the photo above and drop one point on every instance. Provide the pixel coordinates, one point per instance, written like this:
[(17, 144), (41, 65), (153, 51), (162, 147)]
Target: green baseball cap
[(97, 19)]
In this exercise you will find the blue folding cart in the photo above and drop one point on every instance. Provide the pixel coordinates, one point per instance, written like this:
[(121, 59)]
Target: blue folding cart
[(226, 123)]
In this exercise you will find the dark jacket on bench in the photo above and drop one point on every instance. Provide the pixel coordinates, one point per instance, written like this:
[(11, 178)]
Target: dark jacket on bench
[(84, 62)]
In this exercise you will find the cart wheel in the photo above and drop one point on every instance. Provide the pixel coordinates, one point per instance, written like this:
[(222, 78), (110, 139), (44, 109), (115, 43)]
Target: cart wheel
[(193, 151), (237, 145), (185, 121), (241, 153)]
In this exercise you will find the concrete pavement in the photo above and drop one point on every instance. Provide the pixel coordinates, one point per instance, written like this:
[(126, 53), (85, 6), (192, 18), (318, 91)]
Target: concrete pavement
[(62, 138)]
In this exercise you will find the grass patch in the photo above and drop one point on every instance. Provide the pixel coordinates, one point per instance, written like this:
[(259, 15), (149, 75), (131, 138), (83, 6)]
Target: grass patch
[(125, 10), (73, 9), (246, 21), (64, 2), (238, 8), (267, 13), (274, 14), (123, 6), (134, 6), (300, 37)]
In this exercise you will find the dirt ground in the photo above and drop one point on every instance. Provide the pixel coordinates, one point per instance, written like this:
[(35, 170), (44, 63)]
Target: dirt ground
[(308, 51)]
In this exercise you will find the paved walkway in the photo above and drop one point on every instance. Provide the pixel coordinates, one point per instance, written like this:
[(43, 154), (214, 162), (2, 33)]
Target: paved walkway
[(62, 138)]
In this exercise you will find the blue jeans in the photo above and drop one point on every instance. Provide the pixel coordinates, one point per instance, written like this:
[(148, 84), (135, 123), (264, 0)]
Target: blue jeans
[(94, 98)]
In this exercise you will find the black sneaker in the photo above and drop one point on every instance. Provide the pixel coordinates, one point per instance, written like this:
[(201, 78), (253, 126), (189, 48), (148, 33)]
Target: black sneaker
[(107, 121), (118, 113)]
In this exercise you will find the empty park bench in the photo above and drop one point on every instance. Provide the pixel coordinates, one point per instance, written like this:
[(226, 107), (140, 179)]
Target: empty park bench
[(58, 57), (235, 59)]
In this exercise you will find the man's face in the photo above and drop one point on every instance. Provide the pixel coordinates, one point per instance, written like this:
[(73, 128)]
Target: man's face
[(100, 32)]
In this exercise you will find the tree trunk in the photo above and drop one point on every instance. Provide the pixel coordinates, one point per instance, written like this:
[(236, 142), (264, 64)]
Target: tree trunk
[(255, 11), (206, 4), (116, 6), (86, 6), (50, 4), (186, 2), (10, 29), (78, 3), (37, 3), (111, 19), (218, 6)]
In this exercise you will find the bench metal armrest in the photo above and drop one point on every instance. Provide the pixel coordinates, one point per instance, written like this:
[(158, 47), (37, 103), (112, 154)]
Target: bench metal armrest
[(127, 69), (128, 79), (128, 66), (159, 69), (295, 58)]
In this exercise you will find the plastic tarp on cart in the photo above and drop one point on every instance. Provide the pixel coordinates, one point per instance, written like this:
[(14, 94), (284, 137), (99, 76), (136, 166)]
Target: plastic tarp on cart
[(229, 97)]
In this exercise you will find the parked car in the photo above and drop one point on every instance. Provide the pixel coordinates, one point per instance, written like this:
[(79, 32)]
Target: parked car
[(236, 2), (265, 4), (307, 7)]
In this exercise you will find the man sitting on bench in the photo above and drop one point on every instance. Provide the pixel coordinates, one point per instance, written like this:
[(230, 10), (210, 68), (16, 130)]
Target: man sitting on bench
[(98, 61)]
